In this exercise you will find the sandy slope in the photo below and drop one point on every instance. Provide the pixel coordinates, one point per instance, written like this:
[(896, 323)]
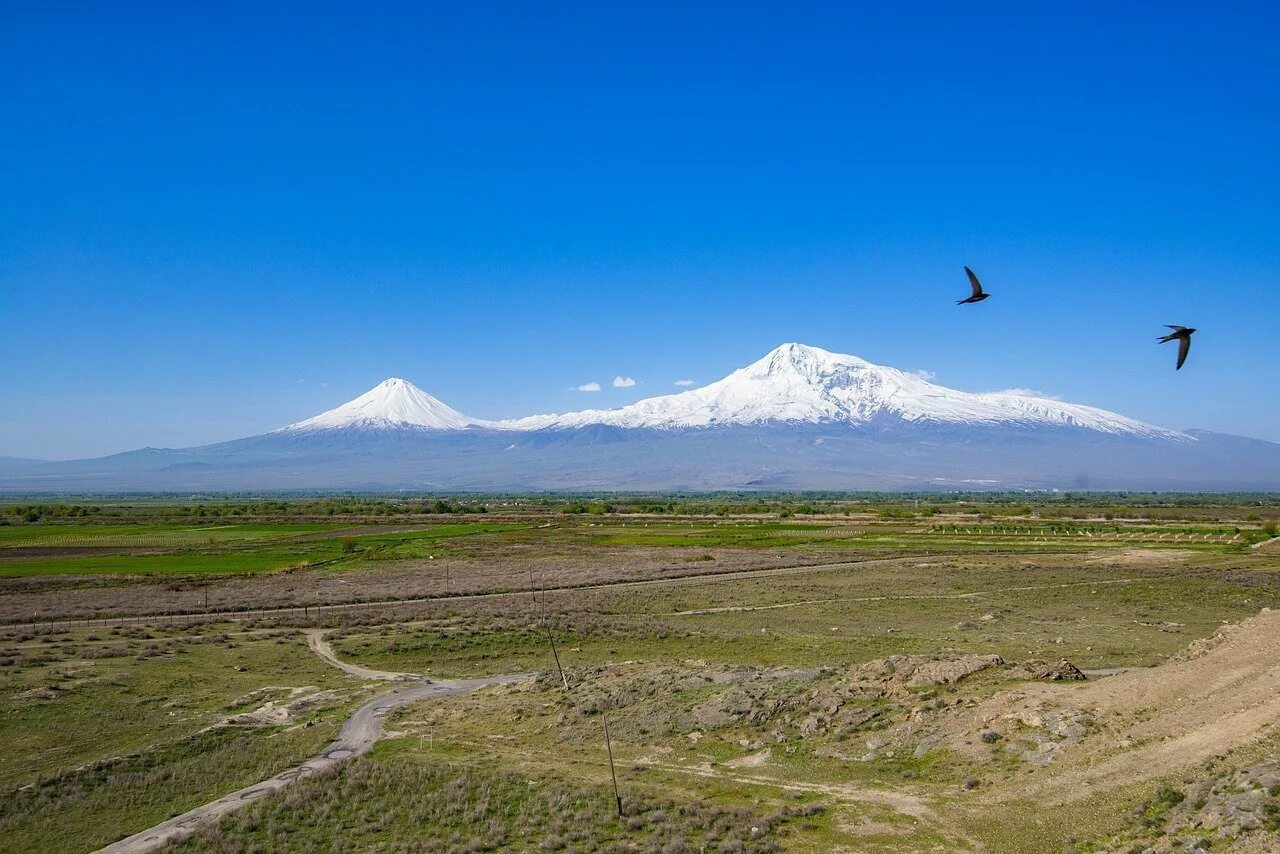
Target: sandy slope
[(1225, 694)]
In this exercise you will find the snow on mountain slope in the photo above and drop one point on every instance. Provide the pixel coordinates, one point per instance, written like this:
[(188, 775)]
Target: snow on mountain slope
[(798, 383), (793, 383), (392, 404)]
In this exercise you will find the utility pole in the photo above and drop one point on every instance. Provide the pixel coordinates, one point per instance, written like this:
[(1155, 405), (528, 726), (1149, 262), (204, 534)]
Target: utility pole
[(564, 681), (608, 746)]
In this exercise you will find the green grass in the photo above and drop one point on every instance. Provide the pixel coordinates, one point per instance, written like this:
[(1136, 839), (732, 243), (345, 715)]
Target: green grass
[(246, 548), (902, 537), (1095, 615), (524, 765), (189, 563), (399, 800), (108, 734), (151, 535), (116, 703), (225, 550), (461, 653), (92, 807)]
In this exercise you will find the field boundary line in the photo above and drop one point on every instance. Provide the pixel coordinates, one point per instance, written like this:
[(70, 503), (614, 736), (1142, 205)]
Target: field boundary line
[(306, 611), (728, 609)]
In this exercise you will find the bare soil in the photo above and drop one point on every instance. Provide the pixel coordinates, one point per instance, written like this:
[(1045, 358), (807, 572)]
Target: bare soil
[(36, 599), (1154, 722)]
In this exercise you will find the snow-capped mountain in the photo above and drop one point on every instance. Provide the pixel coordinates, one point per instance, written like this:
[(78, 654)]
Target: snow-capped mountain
[(800, 418), (391, 404), (793, 383), (802, 384)]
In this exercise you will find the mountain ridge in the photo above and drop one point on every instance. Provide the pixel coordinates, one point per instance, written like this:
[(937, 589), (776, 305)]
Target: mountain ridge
[(799, 418), (801, 383)]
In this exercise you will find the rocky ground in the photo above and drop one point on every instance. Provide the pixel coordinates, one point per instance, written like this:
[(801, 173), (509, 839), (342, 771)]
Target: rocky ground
[(1231, 811)]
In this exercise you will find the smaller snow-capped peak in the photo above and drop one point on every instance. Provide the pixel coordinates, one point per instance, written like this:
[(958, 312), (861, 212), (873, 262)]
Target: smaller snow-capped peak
[(391, 404), (798, 383)]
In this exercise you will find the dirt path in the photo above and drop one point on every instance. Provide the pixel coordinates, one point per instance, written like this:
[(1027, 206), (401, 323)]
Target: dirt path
[(321, 647), (357, 736)]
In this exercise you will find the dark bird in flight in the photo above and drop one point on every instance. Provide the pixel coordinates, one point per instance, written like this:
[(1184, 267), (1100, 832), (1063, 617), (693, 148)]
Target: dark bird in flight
[(1183, 336), (978, 293)]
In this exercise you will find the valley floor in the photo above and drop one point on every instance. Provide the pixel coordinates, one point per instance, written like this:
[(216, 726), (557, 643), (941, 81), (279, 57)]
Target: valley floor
[(828, 683)]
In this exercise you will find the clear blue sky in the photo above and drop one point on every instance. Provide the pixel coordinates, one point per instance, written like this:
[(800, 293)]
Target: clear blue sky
[(217, 220)]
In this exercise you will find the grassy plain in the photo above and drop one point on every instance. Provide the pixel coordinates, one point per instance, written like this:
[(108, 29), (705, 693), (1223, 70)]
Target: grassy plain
[(739, 656)]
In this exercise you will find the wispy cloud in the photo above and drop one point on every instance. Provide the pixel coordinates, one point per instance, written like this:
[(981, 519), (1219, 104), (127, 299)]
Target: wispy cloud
[(927, 376), (684, 382), (1028, 392), (591, 386), (623, 382)]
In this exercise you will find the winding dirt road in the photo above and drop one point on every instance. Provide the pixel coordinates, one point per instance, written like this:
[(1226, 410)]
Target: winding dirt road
[(321, 647), (357, 736)]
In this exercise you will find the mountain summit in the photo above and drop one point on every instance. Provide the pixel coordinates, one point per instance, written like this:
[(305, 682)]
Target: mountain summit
[(799, 418), (391, 404), (799, 383)]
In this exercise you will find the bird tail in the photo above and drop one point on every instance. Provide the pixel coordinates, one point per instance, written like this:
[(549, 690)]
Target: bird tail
[(1165, 339)]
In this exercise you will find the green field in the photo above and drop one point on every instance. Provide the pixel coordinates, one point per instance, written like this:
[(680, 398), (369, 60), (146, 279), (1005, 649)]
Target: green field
[(216, 550), (734, 679), (109, 732)]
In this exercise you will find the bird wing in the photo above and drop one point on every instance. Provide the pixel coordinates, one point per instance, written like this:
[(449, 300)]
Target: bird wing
[(1175, 328), (973, 282), (1184, 346)]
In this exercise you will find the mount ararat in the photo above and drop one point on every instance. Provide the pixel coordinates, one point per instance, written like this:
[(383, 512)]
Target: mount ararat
[(799, 418)]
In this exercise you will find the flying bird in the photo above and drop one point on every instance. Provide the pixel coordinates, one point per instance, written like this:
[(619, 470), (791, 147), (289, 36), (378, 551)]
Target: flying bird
[(1183, 336), (978, 293)]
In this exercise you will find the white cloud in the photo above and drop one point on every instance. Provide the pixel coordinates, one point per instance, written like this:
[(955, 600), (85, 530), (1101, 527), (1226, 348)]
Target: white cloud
[(591, 386), (623, 382), (1027, 392), (927, 376), (684, 382)]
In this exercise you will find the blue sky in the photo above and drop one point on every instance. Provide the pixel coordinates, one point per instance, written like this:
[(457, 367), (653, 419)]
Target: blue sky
[(214, 221)]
